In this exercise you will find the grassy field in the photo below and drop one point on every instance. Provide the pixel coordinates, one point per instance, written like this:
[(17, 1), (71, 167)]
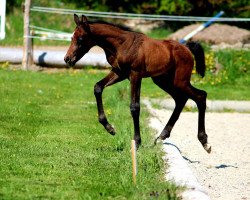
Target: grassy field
[(52, 146)]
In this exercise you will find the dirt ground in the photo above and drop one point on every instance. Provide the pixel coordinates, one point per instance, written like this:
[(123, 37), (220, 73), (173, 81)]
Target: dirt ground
[(215, 34), (225, 173)]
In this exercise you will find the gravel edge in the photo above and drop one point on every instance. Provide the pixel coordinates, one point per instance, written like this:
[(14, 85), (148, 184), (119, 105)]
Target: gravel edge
[(178, 171)]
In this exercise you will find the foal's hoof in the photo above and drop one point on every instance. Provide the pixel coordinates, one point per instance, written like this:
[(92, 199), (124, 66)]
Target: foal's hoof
[(207, 147), (110, 129), (155, 142), (137, 143), (164, 134)]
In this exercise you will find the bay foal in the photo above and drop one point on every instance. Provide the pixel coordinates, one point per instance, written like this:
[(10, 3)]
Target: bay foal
[(134, 56)]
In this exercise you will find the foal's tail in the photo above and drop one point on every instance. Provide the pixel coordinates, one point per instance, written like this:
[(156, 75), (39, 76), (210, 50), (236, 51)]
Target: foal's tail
[(199, 57)]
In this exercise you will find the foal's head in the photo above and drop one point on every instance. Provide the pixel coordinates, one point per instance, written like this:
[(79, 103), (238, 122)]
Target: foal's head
[(81, 41)]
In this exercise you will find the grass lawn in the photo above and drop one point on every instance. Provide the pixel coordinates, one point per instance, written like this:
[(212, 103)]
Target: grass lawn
[(52, 146)]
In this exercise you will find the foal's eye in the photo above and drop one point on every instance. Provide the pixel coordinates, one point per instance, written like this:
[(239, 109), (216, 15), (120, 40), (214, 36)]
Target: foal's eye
[(80, 39)]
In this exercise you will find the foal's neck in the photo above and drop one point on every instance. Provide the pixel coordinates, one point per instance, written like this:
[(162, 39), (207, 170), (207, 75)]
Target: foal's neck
[(108, 36)]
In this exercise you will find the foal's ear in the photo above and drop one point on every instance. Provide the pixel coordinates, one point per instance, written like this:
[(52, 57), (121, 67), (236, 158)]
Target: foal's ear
[(85, 23), (77, 20), (84, 19)]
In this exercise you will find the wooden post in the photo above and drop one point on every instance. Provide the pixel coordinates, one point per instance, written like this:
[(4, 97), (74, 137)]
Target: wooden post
[(27, 43), (134, 161)]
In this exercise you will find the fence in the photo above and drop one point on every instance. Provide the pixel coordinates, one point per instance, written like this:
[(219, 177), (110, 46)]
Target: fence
[(45, 33), (133, 15)]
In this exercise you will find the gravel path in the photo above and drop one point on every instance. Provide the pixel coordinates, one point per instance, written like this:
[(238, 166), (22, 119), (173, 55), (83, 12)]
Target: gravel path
[(225, 173)]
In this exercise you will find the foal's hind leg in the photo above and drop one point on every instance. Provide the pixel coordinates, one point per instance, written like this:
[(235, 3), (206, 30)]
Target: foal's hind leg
[(199, 96), (110, 79), (200, 100), (165, 83)]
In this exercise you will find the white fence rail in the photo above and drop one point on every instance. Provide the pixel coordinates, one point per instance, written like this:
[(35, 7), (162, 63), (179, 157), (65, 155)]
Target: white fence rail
[(133, 15), (43, 33)]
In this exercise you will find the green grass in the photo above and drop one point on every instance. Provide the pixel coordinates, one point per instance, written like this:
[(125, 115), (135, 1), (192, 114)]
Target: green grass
[(14, 29), (232, 81), (159, 33), (52, 146)]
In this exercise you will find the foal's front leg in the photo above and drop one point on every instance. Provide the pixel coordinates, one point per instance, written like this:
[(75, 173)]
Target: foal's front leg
[(135, 82), (110, 79)]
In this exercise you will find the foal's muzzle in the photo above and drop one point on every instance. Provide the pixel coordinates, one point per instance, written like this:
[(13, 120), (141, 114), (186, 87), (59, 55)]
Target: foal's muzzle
[(69, 61)]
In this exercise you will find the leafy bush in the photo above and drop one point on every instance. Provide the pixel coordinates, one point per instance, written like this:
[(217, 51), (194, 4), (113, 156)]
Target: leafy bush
[(225, 67)]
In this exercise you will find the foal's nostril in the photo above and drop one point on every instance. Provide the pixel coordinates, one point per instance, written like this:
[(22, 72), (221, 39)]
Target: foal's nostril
[(66, 59)]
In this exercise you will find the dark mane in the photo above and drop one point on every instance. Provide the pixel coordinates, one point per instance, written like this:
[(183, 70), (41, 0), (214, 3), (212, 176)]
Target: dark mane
[(125, 28)]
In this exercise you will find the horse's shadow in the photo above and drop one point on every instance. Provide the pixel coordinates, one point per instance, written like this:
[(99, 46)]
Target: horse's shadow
[(184, 157), (223, 166), (220, 166)]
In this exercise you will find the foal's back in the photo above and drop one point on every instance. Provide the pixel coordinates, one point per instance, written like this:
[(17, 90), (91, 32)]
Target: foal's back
[(162, 56)]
